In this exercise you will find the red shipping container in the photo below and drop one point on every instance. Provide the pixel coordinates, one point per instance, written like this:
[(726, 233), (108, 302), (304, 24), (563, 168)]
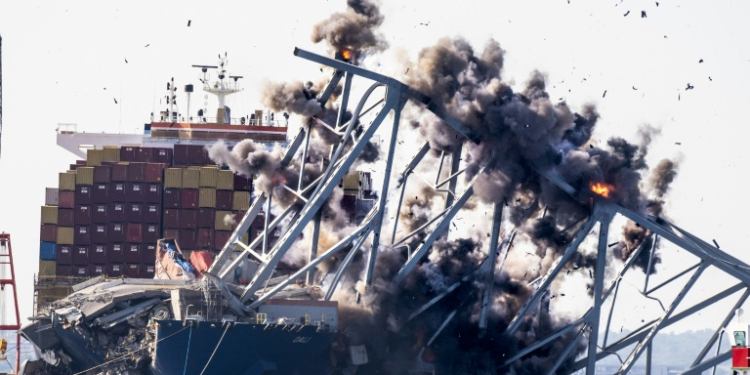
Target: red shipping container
[(172, 218), (83, 215), (117, 192), (64, 271), (102, 174), (188, 219), (65, 217), (101, 193), (181, 155), (82, 235), (114, 270), (143, 154), (224, 199), (154, 172), (220, 238), (64, 254), (100, 234), (151, 213), (100, 214), (172, 198), (97, 269), (161, 155), (80, 271), (147, 271), (132, 270), (238, 215), (117, 212), (201, 260), (48, 233), (117, 232), (189, 198), (134, 233), (129, 153), (81, 162), (150, 233), (206, 218), (133, 253), (152, 193), (134, 192), (66, 199), (241, 183), (137, 172), (73, 167), (205, 238), (198, 155), (119, 173), (116, 253), (84, 194), (98, 254), (134, 213), (188, 239), (81, 255), (173, 234), (149, 253)]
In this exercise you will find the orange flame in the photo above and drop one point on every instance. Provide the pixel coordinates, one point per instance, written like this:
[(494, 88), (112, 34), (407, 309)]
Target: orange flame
[(601, 189), (346, 54)]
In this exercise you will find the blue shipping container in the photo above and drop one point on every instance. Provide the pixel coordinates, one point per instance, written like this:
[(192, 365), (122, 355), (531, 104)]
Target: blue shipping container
[(47, 251)]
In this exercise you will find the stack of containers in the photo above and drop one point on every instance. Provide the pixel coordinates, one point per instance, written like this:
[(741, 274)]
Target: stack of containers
[(48, 236)]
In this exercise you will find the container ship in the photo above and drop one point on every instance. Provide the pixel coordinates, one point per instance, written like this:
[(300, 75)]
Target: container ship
[(112, 296)]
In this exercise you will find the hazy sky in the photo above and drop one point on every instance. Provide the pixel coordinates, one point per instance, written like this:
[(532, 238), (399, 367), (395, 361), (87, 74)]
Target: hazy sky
[(64, 62)]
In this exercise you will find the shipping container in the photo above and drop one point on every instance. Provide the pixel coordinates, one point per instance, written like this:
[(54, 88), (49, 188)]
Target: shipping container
[(134, 192), (100, 214), (172, 233), (209, 175), (67, 181), (172, 218), (172, 198), (81, 162), (67, 199), (85, 176), (117, 212), (147, 271), (181, 155), (150, 233), (201, 260), (207, 197), (134, 213), (117, 232), (134, 233), (48, 233), (241, 201), (137, 172), (94, 157), (72, 167), (82, 235), (64, 254), (118, 192), (191, 178), (47, 268), (220, 239), (154, 172), (116, 253), (102, 174), (81, 255), (225, 180), (223, 220), (120, 172), (144, 154), (64, 271), (149, 253), (47, 251), (114, 269), (190, 198), (133, 253), (84, 194), (206, 218), (97, 269), (161, 155), (111, 154), (51, 196), (100, 234), (83, 215), (129, 153), (98, 254), (49, 214), (65, 235), (65, 217), (81, 271), (205, 238), (151, 214), (132, 270), (173, 178), (188, 219), (152, 193), (224, 199), (241, 183), (101, 193), (198, 155), (188, 238)]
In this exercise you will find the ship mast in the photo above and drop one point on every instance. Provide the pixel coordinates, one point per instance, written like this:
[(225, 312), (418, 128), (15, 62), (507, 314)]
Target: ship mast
[(221, 87)]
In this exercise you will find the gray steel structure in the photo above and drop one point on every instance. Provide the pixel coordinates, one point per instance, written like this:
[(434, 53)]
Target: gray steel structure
[(588, 328)]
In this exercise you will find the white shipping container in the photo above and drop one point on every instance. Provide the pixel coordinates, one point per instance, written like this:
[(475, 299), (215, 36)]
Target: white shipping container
[(52, 196)]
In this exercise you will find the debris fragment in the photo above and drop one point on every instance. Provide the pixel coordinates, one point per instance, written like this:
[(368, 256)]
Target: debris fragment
[(643, 14), (605, 93), (189, 23), (115, 99), (689, 87), (626, 14), (717, 244)]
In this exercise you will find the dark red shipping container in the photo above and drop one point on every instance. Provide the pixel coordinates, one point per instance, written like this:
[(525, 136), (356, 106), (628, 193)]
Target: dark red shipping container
[(100, 214), (117, 232), (114, 269), (224, 199), (238, 215), (134, 213), (129, 153), (134, 233), (133, 253), (100, 234), (241, 183), (206, 217), (150, 233), (172, 198), (161, 155), (147, 271), (97, 269), (81, 255), (82, 235), (82, 215), (137, 172), (220, 238), (188, 219), (152, 193), (118, 192), (188, 239), (81, 162), (172, 233), (117, 212), (48, 233), (80, 271), (151, 214), (119, 173), (198, 155), (189, 198), (101, 193), (115, 253), (149, 253), (154, 172), (102, 174), (65, 217), (66, 199), (64, 254), (134, 192), (84, 194), (132, 270), (205, 238), (73, 167), (98, 254), (181, 155), (64, 271), (172, 218), (143, 154)]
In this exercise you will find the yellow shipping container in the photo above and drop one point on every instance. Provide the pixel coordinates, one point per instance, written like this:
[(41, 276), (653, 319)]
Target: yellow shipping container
[(351, 182), (64, 236), (94, 157), (85, 176), (67, 181), (209, 175), (225, 180), (111, 153), (173, 178), (47, 268), (241, 201), (49, 214), (191, 178), (222, 221), (207, 198)]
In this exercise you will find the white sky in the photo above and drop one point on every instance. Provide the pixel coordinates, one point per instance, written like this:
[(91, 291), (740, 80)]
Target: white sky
[(59, 56)]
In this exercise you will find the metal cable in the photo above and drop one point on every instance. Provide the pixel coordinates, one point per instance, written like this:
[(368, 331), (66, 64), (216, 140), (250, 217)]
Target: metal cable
[(216, 348), (187, 351)]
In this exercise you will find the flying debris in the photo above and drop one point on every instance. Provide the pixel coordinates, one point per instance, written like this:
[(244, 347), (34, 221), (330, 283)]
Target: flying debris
[(189, 23), (126, 60), (626, 14), (613, 244), (709, 78), (643, 14), (657, 3), (717, 244), (635, 88), (115, 99), (604, 94), (689, 86), (700, 61), (146, 45)]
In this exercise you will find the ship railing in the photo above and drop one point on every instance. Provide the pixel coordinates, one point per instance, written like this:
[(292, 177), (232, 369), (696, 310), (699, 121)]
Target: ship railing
[(67, 128), (214, 120), (44, 281)]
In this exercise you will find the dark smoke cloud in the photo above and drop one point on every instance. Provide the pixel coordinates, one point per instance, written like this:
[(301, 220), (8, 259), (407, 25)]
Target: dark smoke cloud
[(355, 28)]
